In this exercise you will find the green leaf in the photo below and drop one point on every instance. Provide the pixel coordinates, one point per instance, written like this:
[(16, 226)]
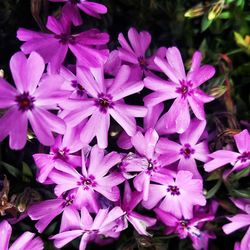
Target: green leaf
[(213, 190), (215, 175), (11, 169), (225, 15), (205, 23), (242, 173), (27, 174), (241, 193)]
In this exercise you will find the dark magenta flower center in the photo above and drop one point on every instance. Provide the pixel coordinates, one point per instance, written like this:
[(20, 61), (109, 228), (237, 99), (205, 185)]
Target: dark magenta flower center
[(244, 157), (65, 38), (174, 190), (185, 88), (104, 102), (79, 88), (186, 151), (69, 200), (143, 62), (61, 154), (25, 101), (87, 182), (184, 223)]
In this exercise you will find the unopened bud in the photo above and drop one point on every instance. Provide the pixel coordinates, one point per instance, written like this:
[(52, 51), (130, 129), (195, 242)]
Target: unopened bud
[(215, 10), (218, 91), (196, 11)]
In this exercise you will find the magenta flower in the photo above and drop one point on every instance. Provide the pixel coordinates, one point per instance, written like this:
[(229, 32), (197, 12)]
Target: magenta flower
[(189, 149), (71, 9), (54, 46), (239, 221), (181, 87), (72, 84), (129, 202), (179, 194), (146, 162), (135, 53), (23, 242), (93, 179), (60, 151), (104, 224), (187, 228), (47, 210), (106, 98), (239, 160), (30, 102)]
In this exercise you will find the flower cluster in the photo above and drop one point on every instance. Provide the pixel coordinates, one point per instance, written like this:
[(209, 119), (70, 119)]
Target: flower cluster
[(157, 177)]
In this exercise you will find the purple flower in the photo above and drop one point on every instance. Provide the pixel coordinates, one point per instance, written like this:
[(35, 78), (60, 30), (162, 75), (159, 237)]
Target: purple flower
[(240, 220), (105, 224), (135, 53), (187, 228), (180, 194), (181, 87), (129, 202), (239, 160), (46, 211), (72, 84), (25, 241), (30, 101), (93, 179), (71, 9), (106, 98), (146, 161), (189, 149), (53, 46), (60, 151)]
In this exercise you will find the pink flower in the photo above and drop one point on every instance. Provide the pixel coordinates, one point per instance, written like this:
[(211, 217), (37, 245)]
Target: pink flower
[(181, 87), (71, 9), (60, 151), (145, 162), (93, 179), (187, 228), (47, 210), (239, 160), (135, 53), (189, 149), (129, 202), (53, 47), (105, 100), (23, 242), (179, 194), (104, 224), (239, 221), (30, 102)]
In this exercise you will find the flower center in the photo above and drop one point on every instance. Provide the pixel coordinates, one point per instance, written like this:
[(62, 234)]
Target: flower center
[(174, 190), (79, 88), (244, 157), (87, 182), (186, 151), (142, 62), (25, 101), (68, 200), (104, 102), (61, 154), (185, 88), (65, 38), (184, 223)]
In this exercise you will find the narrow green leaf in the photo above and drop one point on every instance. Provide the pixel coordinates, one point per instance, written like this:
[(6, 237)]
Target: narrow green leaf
[(11, 169), (213, 190)]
